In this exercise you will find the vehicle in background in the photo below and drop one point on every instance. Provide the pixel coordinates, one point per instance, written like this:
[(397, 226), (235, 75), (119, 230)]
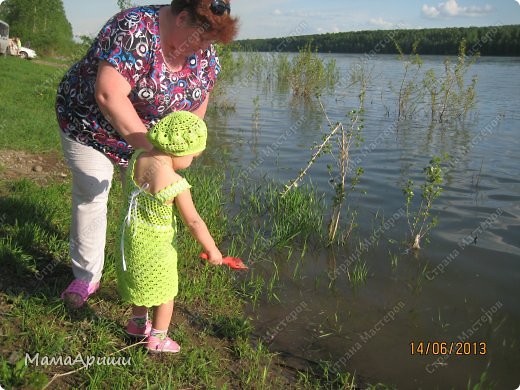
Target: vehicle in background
[(8, 46), (4, 37), (26, 53)]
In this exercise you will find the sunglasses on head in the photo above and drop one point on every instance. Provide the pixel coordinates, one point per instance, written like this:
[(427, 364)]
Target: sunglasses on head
[(219, 7)]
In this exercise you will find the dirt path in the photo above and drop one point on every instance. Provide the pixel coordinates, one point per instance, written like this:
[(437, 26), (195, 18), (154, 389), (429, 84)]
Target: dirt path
[(41, 168), (49, 63)]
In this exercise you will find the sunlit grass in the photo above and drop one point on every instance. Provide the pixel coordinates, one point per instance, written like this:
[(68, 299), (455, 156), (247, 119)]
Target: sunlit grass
[(27, 116)]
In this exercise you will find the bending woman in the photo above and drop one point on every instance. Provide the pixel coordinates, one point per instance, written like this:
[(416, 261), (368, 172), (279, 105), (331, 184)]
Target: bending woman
[(145, 63)]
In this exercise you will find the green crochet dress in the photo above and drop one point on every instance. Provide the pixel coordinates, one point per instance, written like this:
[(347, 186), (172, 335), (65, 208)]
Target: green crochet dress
[(147, 263)]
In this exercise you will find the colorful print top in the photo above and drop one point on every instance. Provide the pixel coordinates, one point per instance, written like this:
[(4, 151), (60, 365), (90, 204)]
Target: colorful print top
[(130, 41)]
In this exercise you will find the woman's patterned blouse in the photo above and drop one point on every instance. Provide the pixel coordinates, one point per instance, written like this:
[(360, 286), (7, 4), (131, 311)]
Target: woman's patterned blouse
[(130, 42)]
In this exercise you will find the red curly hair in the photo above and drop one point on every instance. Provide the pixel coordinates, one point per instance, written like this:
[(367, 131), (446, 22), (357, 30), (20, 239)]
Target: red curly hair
[(223, 28)]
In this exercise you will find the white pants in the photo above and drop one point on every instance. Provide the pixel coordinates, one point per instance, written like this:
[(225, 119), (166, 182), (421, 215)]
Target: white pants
[(92, 175)]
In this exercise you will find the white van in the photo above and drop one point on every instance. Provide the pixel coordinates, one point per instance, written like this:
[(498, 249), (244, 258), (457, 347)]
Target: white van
[(4, 37)]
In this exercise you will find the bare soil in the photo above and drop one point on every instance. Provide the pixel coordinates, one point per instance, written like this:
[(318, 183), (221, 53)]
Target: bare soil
[(40, 168)]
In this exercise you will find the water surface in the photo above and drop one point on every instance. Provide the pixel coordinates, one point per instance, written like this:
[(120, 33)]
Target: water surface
[(474, 298)]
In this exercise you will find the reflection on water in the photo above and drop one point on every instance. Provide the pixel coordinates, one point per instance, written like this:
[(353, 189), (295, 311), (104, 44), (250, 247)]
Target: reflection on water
[(483, 180)]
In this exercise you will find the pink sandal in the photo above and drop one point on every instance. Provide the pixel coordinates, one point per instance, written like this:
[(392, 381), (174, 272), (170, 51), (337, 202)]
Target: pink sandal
[(81, 289), (132, 329), (156, 345)]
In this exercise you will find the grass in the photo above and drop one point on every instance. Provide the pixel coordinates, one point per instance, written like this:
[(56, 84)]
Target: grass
[(358, 274), (266, 221), (305, 75), (483, 381), (218, 350), (268, 228), (27, 116)]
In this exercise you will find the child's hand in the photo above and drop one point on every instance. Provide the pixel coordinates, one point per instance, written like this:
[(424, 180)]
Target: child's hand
[(215, 257)]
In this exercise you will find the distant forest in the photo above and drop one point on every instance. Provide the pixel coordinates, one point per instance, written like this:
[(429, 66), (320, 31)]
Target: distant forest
[(486, 41)]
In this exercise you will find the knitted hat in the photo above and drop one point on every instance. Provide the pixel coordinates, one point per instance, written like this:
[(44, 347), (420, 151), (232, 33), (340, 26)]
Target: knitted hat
[(180, 133)]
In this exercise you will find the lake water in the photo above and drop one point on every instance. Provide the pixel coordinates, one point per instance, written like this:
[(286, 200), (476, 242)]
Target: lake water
[(469, 290)]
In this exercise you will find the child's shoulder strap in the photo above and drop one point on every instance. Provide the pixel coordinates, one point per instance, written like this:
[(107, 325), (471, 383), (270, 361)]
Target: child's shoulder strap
[(132, 162), (171, 191)]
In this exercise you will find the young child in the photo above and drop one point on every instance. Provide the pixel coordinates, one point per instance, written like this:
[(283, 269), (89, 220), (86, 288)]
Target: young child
[(147, 270)]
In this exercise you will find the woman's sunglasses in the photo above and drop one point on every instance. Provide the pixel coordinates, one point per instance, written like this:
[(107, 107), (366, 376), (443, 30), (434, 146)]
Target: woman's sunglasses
[(219, 7)]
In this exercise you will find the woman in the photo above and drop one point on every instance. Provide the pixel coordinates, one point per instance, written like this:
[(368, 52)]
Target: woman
[(145, 63)]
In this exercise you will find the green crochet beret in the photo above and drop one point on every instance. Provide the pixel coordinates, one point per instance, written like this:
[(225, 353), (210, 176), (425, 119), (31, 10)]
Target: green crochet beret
[(180, 133)]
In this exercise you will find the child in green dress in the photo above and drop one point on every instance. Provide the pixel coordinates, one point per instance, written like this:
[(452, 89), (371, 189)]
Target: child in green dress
[(147, 272)]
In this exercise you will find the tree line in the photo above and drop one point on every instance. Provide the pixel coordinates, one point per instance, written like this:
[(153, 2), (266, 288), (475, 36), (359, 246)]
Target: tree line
[(486, 41)]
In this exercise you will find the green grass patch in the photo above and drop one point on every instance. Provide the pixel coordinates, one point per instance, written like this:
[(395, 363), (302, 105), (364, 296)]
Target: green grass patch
[(27, 117)]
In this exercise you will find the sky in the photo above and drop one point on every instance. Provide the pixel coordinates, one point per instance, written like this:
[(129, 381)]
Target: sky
[(277, 18)]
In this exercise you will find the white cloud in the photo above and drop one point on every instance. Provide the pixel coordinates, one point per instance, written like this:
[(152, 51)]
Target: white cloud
[(451, 8), (380, 22), (277, 11), (430, 12)]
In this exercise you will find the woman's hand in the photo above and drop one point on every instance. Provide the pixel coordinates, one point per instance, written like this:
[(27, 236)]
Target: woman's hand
[(215, 257)]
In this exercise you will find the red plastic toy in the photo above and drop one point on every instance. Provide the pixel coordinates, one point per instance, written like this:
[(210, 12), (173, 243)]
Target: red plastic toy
[(231, 262)]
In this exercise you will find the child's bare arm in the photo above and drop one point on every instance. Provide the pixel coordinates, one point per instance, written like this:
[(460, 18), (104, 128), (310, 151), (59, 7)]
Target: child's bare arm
[(197, 226)]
